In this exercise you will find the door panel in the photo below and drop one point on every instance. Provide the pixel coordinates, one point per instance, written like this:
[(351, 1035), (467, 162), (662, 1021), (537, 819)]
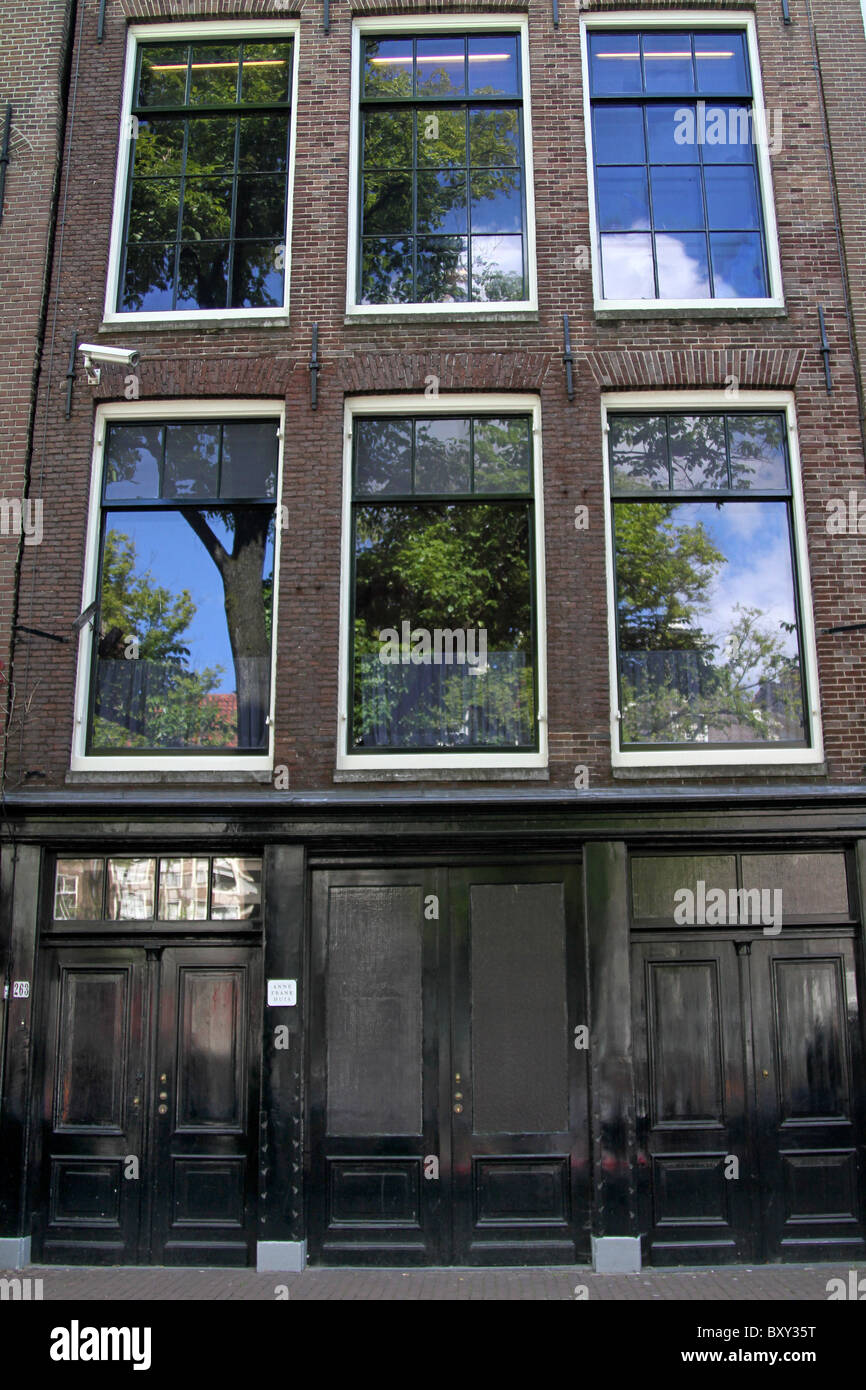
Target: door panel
[(151, 1059), (88, 1210), (374, 1076), (807, 1054), (448, 1104), (690, 1083)]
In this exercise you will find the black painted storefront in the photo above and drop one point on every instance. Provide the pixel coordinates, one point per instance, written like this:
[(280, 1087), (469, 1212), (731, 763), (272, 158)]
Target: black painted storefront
[(496, 1057)]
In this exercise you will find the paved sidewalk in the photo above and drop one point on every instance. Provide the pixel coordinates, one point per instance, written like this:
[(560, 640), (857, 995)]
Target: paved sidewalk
[(794, 1282)]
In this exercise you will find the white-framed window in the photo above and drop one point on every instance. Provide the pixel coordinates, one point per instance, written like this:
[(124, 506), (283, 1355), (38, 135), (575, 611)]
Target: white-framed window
[(681, 208), (442, 615), (710, 625), (441, 205), (203, 194), (176, 659)]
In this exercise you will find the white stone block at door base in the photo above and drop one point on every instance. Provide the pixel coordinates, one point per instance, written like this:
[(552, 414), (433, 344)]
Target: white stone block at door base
[(616, 1254), (286, 1255), (14, 1252)]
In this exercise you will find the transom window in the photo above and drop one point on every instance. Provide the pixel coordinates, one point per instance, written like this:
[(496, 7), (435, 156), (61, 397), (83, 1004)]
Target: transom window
[(140, 889), (182, 657), (709, 635), (206, 210), (677, 189), (443, 627), (442, 198)]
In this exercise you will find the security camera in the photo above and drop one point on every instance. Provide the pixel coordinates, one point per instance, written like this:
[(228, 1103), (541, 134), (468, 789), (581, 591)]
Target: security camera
[(96, 352)]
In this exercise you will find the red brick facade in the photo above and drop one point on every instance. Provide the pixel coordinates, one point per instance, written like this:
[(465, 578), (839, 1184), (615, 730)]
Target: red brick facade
[(488, 354)]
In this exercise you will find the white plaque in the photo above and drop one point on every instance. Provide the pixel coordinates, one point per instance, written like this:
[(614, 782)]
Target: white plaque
[(282, 992)]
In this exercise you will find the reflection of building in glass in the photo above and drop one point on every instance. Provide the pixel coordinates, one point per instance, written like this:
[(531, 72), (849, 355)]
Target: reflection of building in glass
[(236, 888)]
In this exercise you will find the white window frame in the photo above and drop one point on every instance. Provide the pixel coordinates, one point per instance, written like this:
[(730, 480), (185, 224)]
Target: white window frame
[(171, 33), (644, 402), (206, 760), (743, 22), (413, 761), (393, 26)]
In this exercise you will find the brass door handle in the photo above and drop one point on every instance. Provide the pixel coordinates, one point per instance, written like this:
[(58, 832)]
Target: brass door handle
[(162, 1109)]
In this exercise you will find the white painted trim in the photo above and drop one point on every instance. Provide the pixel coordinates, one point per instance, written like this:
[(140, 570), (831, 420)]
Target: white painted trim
[(427, 23), (717, 756), (204, 761), (686, 19), (238, 29), (503, 404)]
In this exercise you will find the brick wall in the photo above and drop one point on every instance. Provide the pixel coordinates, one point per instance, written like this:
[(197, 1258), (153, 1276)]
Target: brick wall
[(482, 355), (32, 55)]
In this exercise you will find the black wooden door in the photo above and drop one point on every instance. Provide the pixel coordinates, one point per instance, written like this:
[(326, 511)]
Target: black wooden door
[(448, 1098), (147, 1151), (748, 1066), (809, 1098)]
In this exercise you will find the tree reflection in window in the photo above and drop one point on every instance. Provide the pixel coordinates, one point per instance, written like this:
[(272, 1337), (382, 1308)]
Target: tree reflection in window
[(183, 656), (709, 637)]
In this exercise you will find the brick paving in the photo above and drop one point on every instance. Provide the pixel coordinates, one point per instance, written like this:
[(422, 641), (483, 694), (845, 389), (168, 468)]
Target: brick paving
[(769, 1282)]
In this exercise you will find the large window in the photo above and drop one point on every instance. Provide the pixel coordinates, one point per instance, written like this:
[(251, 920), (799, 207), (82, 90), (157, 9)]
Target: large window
[(443, 624), (711, 639), (442, 171), (203, 217), (180, 650), (678, 168)]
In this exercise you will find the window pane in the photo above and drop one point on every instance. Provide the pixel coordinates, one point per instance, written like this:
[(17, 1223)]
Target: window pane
[(722, 65), (682, 266), (493, 68), (383, 456), (78, 890), (250, 458), (497, 268), (440, 67), (264, 143), (148, 280), (214, 75), (673, 134), (442, 269), (191, 456), (623, 202), (462, 571), (638, 452), (698, 453), (267, 72), (387, 67), (738, 265), (657, 878), (678, 203), (388, 140), (211, 146), (811, 884), (615, 64), (162, 75), (184, 646), (442, 202), (258, 278), (503, 455), (497, 203), (441, 138), (387, 204), (132, 461), (261, 206), (158, 147), (627, 267), (131, 884), (153, 210), (619, 135), (236, 893), (203, 275), (494, 137), (707, 619), (183, 885), (442, 455), (207, 209), (732, 198), (668, 63), (386, 270), (758, 455), (728, 135)]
